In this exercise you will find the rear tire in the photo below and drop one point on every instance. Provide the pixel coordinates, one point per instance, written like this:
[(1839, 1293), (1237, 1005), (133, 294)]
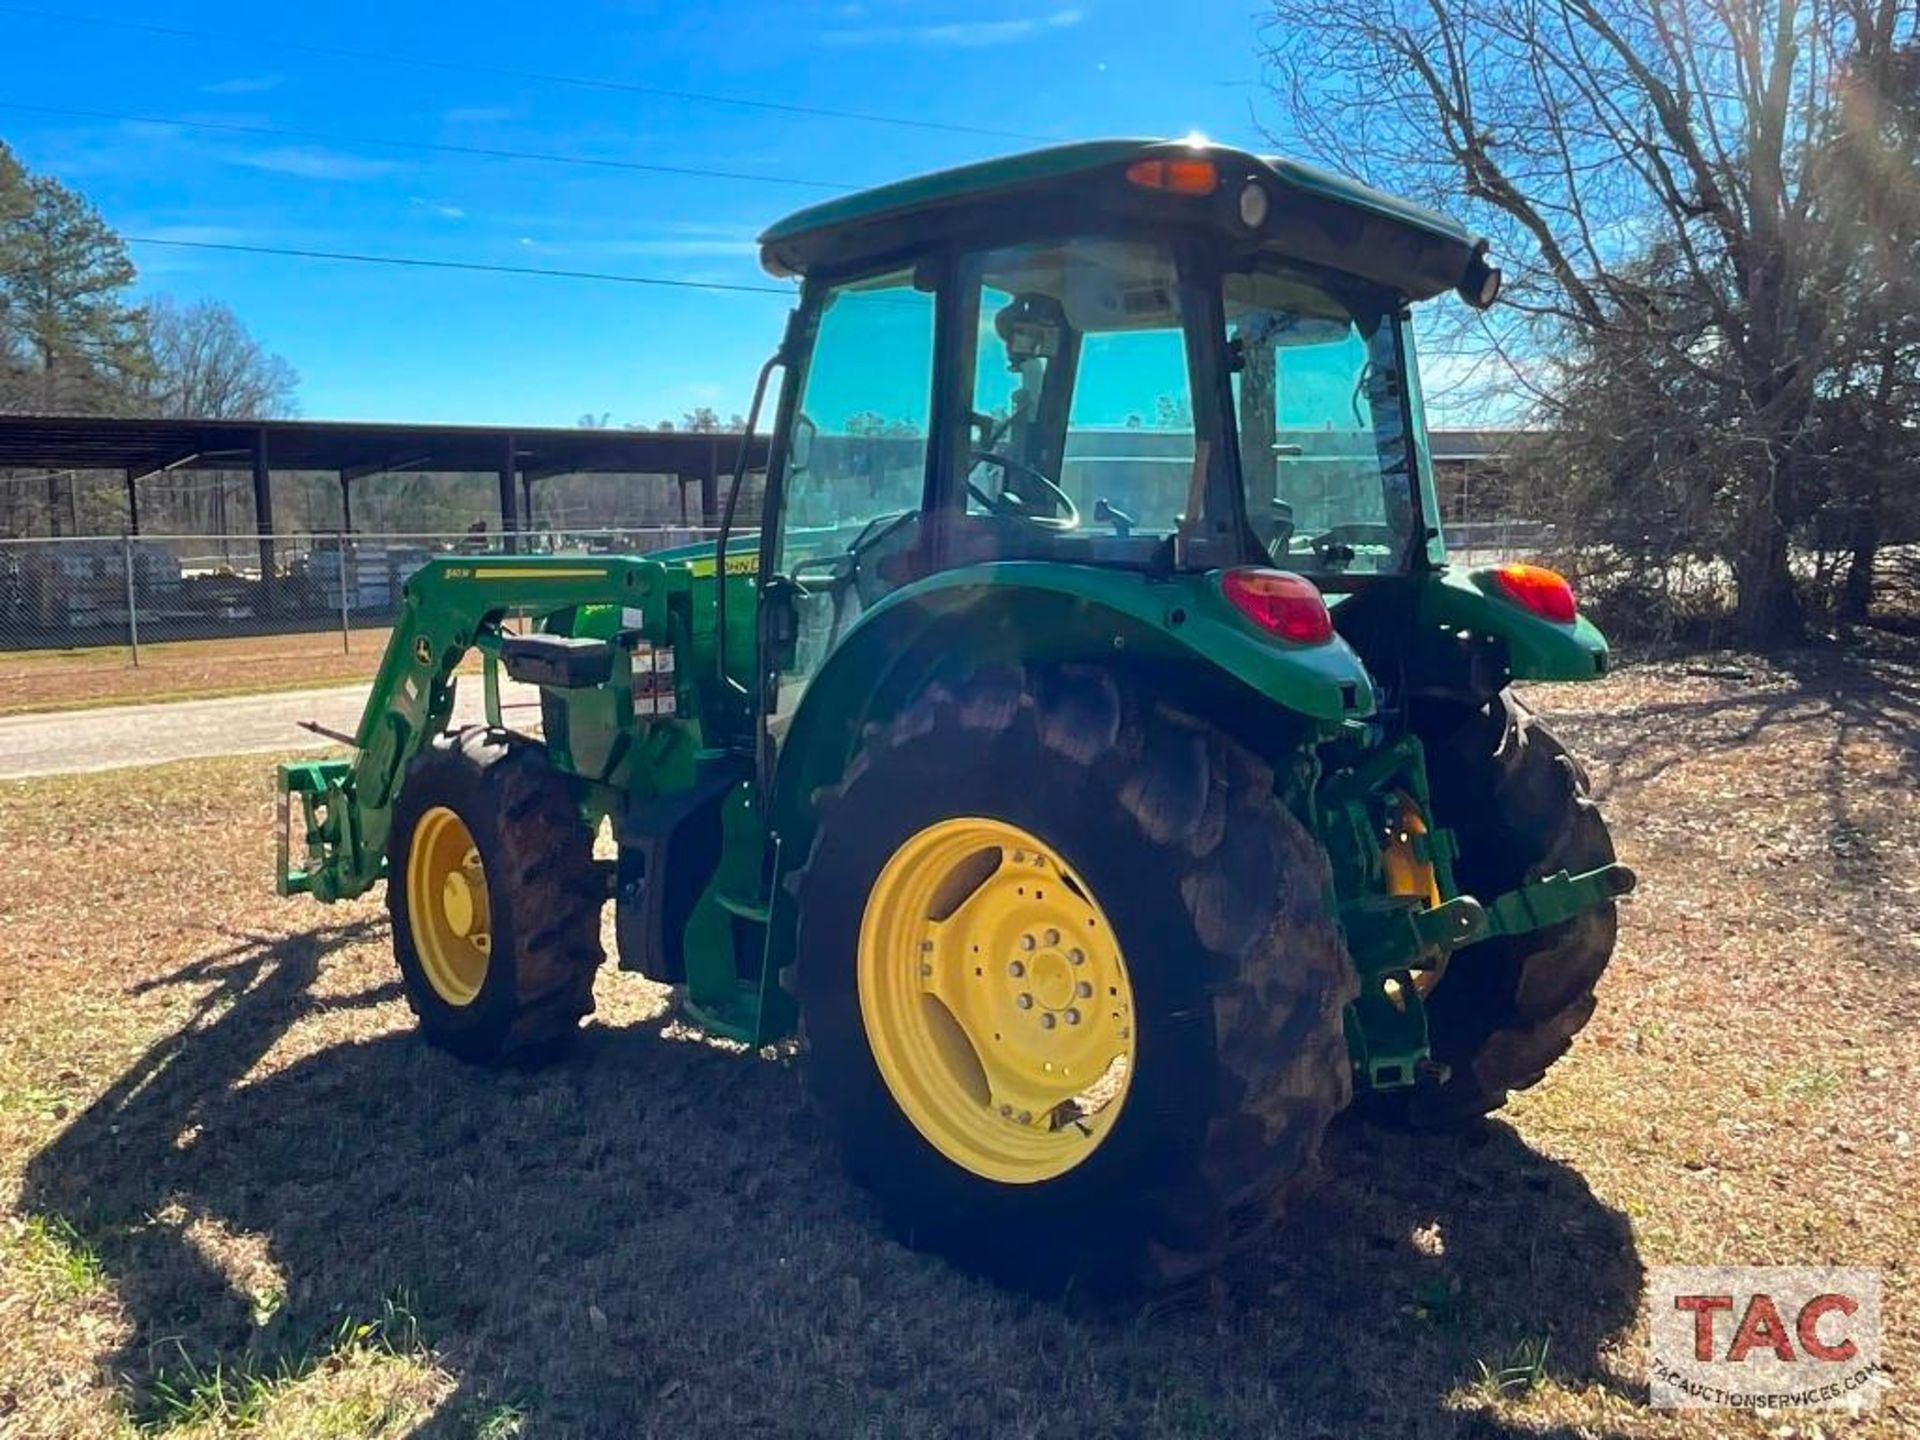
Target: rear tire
[(1519, 805), (1217, 898), (535, 884)]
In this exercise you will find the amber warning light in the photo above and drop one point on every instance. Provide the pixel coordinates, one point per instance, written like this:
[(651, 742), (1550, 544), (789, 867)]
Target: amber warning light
[(1178, 177), (1534, 587)]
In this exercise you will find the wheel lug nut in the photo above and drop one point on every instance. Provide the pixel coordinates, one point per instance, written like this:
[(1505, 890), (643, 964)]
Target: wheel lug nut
[(1026, 942), (1025, 1002), (1047, 1021), (1077, 956), (926, 947), (1026, 1117), (1053, 937), (1007, 1110), (1073, 1017), (1083, 989), (1016, 969), (1019, 857)]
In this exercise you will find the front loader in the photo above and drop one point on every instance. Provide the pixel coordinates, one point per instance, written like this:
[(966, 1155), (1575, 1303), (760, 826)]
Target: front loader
[(1091, 753)]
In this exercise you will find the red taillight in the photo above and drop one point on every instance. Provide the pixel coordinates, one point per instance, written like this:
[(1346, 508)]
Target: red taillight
[(1280, 603), (1545, 592)]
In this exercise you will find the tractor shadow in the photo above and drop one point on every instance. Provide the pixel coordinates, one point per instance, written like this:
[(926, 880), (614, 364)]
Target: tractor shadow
[(650, 1237)]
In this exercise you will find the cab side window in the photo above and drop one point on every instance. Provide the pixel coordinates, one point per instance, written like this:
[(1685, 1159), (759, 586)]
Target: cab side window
[(856, 463)]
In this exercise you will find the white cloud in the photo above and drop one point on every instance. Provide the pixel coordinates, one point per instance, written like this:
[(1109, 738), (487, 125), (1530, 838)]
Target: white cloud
[(957, 34), (201, 234), (678, 239), (311, 162), (435, 207), (709, 246)]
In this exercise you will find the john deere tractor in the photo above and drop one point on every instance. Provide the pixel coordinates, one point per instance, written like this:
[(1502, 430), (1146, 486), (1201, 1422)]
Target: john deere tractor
[(1088, 752)]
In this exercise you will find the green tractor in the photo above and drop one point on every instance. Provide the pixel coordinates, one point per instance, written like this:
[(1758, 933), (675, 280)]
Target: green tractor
[(1088, 750)]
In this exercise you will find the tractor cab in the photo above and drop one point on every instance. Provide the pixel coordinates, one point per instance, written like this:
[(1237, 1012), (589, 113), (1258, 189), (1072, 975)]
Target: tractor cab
[(1158, 358)]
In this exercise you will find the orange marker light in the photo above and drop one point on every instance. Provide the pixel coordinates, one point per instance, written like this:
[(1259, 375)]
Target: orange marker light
[(1177, 177), (1545, 592), (1281, 603)]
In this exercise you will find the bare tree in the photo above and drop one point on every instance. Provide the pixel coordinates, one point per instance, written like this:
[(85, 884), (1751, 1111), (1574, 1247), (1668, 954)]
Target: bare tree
[(206, 365), (1657, 175)]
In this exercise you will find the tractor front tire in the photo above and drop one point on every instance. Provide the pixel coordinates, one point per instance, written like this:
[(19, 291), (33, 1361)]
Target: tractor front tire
[(1520, 807), (494, 898), (1085, 841)]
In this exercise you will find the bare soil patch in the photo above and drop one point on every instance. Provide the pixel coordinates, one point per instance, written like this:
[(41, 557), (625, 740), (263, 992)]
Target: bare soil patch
[(223, 1150)]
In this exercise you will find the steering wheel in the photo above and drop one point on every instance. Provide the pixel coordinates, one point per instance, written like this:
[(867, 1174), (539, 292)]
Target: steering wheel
[(1006, 504), (1334, 548)]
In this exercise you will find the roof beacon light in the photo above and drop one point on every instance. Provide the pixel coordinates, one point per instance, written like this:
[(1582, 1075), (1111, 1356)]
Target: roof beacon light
[(1176, 177), (1480, 286), (1545, 592), (1280, 603)]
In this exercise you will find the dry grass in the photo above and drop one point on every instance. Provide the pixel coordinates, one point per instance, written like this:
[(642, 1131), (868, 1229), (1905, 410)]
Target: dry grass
[(223, 1151), (33, 680)]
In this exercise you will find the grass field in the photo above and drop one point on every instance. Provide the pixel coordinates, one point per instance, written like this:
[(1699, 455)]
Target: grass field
[(33, 680), (238, 1196), (42, 680)]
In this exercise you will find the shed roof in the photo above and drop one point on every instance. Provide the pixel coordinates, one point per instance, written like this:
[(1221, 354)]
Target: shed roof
[(351, 449)]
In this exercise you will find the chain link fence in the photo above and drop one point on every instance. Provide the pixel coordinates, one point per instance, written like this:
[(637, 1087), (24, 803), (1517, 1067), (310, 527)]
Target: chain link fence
[(91, 619), (97, 619)]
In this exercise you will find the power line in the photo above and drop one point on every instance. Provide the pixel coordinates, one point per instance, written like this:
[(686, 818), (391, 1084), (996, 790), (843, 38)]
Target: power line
[(480, 151), (460, 67), (423, 263)]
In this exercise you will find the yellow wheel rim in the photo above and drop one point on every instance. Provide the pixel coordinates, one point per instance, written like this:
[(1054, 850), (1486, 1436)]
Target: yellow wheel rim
[(447, 906), (996, 1000)]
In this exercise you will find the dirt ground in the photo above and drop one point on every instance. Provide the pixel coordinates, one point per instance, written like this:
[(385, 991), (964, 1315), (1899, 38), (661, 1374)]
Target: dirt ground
[(238, 1196)]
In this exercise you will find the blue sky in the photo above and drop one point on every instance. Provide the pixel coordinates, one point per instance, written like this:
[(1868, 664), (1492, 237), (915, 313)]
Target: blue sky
[(378, 343)]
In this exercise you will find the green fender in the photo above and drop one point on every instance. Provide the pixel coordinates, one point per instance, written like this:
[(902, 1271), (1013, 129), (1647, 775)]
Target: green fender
[(1039, 610), (1537, 648)]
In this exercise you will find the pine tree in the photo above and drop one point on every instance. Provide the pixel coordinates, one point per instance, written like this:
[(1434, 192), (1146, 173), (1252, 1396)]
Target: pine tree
[(63, 274), (15, 204)]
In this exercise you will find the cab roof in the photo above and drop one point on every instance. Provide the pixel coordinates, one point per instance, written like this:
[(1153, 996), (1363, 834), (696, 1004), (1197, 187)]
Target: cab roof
[(1320, 215)]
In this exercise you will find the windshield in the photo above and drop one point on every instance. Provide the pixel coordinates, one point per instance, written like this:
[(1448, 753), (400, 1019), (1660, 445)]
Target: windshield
[(1320, 396)]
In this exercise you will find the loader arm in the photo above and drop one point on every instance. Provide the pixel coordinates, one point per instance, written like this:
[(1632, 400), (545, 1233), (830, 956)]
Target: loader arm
[(456, 605)]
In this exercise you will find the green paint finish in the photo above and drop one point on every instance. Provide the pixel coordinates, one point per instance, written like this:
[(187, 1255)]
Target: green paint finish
[(960, 185), (1537, 648), (458, 603), (1043, 611), (1183, 615), (1009, 176), (726, 934), (1554, 899)]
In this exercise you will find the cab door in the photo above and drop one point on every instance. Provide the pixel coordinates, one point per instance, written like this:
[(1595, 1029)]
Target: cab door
[(855, 447)]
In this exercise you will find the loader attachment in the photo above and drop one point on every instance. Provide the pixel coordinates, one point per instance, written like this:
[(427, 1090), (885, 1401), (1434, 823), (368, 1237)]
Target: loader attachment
[(326, 817)]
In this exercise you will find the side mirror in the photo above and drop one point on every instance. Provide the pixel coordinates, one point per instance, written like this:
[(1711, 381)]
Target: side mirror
[(800, 446)]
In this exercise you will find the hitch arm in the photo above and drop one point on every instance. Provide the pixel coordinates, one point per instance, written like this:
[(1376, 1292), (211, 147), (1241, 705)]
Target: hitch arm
[(1553, 899)]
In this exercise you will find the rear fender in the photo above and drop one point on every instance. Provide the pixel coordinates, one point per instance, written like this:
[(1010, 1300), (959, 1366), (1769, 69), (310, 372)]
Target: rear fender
[(1039, 611), (1536, 648)]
